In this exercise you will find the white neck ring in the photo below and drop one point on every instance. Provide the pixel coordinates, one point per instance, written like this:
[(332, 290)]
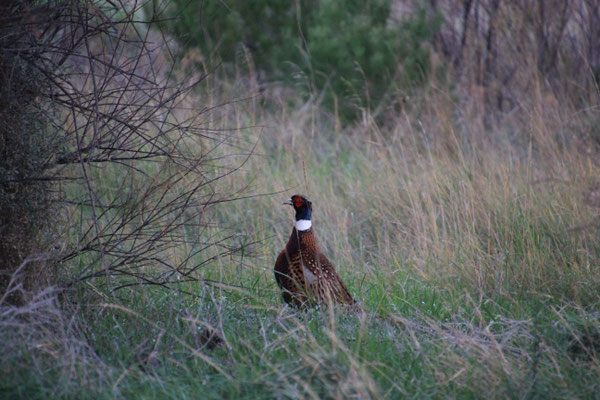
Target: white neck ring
[(303, 224)]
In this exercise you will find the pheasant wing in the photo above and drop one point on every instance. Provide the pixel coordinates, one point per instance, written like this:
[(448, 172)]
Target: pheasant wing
[(290, 279), (324, 282)]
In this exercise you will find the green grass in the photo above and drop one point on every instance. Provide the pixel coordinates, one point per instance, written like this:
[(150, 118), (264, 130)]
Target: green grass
[(439, 345)]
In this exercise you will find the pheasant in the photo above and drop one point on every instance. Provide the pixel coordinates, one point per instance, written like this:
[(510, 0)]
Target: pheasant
[(303, 273)]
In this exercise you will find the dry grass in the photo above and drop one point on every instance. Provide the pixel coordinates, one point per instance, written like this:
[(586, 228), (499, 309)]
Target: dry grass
[(492, 212)]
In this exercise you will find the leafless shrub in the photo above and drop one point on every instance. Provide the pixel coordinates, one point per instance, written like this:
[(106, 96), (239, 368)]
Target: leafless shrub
[(136, 168)]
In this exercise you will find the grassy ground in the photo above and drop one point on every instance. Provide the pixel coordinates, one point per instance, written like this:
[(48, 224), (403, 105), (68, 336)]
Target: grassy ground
[(472, 247)]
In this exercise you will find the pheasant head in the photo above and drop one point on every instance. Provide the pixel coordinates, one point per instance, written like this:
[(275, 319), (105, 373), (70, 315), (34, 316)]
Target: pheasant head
[(303, 208)]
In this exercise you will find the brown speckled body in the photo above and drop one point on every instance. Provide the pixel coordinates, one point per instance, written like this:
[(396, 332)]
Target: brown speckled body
[(306, 276)]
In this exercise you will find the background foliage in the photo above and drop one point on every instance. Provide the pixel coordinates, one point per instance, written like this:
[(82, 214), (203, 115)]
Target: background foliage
[(345, 52)]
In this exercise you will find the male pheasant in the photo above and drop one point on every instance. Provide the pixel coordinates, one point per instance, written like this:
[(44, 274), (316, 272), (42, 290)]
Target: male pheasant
[(303, 273)]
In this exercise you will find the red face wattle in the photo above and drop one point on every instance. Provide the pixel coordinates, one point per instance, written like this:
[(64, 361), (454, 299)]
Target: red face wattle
[(297, 201)]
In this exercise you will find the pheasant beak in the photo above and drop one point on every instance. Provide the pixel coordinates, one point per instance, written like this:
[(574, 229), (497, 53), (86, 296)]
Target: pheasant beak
[(288, 202)]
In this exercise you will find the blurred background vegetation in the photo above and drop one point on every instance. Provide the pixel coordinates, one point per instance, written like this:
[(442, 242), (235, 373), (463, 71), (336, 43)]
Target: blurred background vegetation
[(451, 150), (352, 54), (363, 55)]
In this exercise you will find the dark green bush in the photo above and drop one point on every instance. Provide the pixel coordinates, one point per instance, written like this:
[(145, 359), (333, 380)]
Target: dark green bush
[(221, 29), (350, 51), (362, 57)]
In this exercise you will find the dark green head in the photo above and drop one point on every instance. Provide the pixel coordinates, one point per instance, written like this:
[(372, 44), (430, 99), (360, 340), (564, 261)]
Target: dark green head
[(302, 206)]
